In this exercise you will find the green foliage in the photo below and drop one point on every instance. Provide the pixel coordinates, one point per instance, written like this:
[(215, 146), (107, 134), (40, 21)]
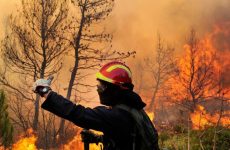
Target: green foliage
[(164, 136), (179, 141), (175, 142), (180, 128), (206, 138), (223, 141), (6, 128)]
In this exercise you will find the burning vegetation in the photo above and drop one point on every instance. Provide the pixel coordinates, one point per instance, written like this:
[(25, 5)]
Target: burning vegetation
[(26, 142), (76, 143), (199, 89), (201, 119)]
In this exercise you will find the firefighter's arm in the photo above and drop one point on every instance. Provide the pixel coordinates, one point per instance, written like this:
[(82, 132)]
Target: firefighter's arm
[(99, 118), (62, 107), (78, 114), (58, 105)]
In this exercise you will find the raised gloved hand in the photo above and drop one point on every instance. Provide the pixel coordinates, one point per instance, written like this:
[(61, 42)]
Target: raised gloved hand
[(42, 86)]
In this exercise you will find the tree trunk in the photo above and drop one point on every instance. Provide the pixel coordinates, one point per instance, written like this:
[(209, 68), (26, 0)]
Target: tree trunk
[(151, 105), (217, 124), (74, 72), (188, 132), (70, 87), (36, 113)]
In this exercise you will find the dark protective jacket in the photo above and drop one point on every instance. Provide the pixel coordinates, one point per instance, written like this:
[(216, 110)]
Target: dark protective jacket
[(116, 123)]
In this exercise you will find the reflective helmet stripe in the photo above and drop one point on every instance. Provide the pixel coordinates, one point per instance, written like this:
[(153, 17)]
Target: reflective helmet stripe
[(115, 73), (104, 78), (119, 66)]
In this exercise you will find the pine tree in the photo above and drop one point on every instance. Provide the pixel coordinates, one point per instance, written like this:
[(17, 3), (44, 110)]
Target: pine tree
[(6, 128)]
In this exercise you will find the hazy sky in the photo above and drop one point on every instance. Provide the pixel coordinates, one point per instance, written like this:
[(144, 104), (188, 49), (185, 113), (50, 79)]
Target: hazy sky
[(6, 8), (135, 23)]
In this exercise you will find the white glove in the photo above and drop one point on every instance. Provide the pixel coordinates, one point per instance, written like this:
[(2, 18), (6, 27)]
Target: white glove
[(41, 83), (42, 86)]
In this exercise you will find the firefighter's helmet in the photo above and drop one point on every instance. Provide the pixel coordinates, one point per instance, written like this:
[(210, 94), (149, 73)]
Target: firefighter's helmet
[(116, 73)]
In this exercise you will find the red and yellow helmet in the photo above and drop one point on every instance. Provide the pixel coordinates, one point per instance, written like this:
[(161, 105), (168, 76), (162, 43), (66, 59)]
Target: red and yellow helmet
[(115, 72)]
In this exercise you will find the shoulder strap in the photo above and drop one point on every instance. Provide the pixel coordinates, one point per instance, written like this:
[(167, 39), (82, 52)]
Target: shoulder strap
[(144, 127)]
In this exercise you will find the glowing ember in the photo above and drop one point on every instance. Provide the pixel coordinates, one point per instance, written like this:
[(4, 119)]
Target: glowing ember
[(27, 143)]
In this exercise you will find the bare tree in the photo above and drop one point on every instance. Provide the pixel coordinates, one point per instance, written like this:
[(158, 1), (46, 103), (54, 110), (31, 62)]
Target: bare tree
[(88, 41), (21, 113), (160, 68), (33, 48), (195, 74), (35, 43), (193, 78)]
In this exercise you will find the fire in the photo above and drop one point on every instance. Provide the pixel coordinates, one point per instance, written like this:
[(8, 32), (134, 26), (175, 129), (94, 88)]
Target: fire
[(77, 144), (224, 121), (213, 51), (201, 119), (27, 143), (216, 42), (151, 115)]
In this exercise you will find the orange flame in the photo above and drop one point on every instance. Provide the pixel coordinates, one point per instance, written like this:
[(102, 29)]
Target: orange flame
[(151, 115), (201, 119), (216, 42), (27, 143), (77, 144)]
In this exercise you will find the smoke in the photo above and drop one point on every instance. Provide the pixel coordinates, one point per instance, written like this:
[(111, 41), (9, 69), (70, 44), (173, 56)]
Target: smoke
[(221, 41), (136, 22), (221, 38), (6, 7)]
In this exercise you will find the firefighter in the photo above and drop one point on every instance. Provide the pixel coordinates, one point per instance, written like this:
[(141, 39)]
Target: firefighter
[(122, 120)]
